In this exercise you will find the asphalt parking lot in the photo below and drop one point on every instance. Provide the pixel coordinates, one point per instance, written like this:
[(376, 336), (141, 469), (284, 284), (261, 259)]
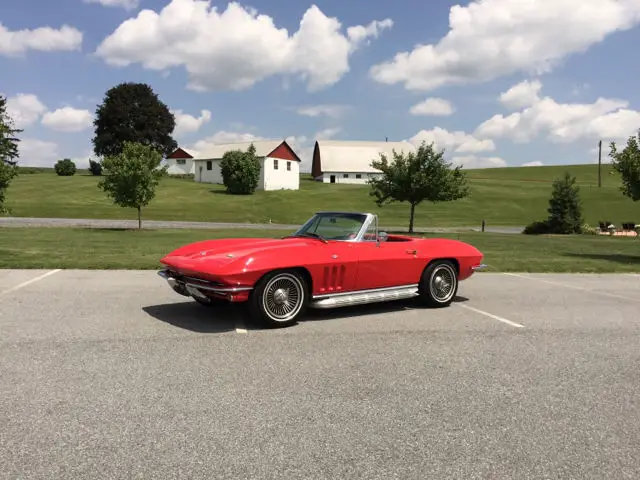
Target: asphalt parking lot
[(109, 374)]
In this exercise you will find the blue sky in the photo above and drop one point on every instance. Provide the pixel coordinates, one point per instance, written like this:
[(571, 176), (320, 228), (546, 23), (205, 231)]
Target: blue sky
[(578, 86)]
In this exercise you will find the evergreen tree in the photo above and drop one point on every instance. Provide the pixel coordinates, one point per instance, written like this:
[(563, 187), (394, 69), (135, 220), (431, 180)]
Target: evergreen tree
[(565, 206)]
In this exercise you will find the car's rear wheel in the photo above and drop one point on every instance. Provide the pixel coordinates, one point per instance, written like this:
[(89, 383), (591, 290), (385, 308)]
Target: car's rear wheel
[(439, 284), (279, 298)]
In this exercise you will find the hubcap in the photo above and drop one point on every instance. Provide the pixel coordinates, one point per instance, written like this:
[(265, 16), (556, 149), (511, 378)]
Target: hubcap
[(282, 298), (443, 283)]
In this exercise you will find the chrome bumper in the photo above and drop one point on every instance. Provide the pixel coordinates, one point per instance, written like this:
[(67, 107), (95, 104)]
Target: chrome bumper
[(189, 286), (479, 267)]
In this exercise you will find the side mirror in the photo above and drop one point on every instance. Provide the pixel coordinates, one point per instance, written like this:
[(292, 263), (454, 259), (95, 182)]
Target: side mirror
[(382, 236)]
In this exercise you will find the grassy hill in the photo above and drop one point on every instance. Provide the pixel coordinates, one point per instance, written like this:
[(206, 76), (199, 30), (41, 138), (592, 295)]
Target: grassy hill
[(501, 196)]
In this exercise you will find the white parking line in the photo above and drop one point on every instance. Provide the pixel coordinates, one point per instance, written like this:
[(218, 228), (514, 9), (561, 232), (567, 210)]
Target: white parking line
[(575, 287), (491, 315), (29, 282)]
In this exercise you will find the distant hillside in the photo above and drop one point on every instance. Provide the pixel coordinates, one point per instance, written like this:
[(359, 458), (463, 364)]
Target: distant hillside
[(501, 196)]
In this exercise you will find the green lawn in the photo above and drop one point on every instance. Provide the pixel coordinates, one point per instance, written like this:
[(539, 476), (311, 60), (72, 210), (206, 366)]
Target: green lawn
[(504, 196), (133, 249)]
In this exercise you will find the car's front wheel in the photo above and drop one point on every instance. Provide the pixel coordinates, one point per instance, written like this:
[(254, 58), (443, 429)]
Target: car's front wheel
[(439, 284), (279, 298)]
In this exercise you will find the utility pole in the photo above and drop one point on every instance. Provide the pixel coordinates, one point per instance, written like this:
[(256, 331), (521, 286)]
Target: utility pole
[(599, 163)]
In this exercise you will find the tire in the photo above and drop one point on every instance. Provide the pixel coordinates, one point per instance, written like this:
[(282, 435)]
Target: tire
[(439, 284), (265, 303)]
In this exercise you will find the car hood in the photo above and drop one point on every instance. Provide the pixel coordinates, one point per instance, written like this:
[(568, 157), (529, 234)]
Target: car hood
[(218, 253)]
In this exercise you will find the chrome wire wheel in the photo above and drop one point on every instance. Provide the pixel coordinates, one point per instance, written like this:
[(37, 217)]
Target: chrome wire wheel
[(283, 297), (442, 283)]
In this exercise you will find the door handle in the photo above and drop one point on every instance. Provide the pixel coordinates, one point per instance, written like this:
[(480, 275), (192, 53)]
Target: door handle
[(412, 252)]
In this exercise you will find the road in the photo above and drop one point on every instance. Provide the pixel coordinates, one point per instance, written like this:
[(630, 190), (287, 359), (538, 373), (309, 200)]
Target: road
[(109, 374), (112, 223)]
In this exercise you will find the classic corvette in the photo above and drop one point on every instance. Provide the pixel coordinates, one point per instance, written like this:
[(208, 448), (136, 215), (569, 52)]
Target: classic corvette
[(335, 259)]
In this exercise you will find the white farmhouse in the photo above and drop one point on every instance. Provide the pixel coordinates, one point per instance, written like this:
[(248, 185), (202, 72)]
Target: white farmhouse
[(180, 162), (337, 161), (280, 165)]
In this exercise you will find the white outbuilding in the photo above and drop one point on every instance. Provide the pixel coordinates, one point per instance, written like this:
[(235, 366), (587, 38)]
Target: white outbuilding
[(179, 162), (338, 161), (280, 165)]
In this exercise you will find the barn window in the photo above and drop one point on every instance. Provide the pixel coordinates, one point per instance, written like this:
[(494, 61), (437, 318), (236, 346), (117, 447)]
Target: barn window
[(358, 175), (275, 164), (181, 161), (345, 175), (209, 165), (289, 166)]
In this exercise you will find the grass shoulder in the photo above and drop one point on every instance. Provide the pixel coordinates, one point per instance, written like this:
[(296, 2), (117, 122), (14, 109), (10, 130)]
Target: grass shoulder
[(93, 248)]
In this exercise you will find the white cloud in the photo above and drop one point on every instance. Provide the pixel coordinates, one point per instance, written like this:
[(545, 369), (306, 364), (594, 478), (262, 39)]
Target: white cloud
[(458, 141), (327, 133), (186, 123), (222, 136), (522, 95), (536, 163), (126, 4), (37, 153), (491, 38), (433, 106), (607, 119), (236, 48), (44, 39), (473, 161), (333, 111), (68, 119), (25, 109)]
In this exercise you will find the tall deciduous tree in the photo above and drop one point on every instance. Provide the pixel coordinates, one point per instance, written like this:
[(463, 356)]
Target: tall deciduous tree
[(627, 164), (417, 177), (132, 112), (9, 152), (130, 178)]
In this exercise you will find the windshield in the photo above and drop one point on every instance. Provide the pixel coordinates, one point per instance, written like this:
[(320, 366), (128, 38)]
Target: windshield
[(333, 226)]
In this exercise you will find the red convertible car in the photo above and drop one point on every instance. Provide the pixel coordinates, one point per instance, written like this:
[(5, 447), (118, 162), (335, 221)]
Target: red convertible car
[(335, 259)]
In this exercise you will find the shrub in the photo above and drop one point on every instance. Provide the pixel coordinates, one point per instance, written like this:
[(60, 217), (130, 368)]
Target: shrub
[(65, 167), (95, 168), (537, 228), (240, 171)]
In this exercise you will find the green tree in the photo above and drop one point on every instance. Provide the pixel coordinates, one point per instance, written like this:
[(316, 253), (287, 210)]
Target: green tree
[(417, 177), (95, 168), (9, 152), (565, 209), (240, 171), (627, 164), (565, 206), (131, 177), (132, 112), (65, 167)]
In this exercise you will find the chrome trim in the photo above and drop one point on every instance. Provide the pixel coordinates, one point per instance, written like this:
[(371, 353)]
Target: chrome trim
[(479, 267), (366, 296), (189, 285), (218, 289), (368, 291)]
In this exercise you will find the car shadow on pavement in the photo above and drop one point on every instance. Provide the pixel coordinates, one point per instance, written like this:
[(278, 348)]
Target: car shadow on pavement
[(380, 308), (192, 316)]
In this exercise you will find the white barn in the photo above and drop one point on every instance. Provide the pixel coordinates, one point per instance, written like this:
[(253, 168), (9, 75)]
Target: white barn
[(180, 162), (337, 161), (280, 165)]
